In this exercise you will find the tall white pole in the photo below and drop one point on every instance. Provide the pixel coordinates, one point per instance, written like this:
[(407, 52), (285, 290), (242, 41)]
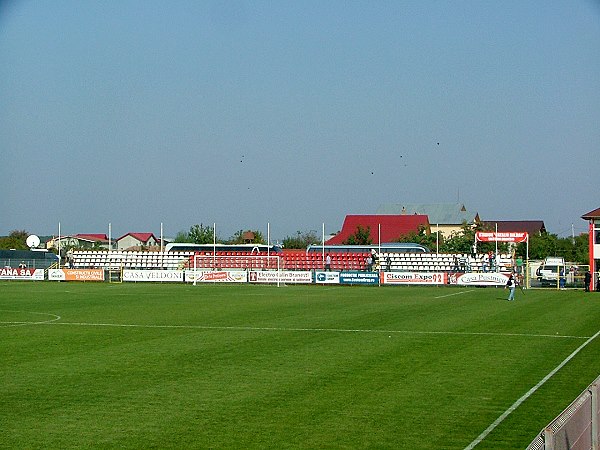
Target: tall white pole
[(268, 238), (437, 238), (379, 251), (496, 256), (59, 259), (161, 237), (323, 243), (214, 245), (110, 237)]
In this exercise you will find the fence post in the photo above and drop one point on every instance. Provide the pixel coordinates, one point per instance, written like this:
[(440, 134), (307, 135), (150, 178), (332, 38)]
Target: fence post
[(595, 388), (548, 439)]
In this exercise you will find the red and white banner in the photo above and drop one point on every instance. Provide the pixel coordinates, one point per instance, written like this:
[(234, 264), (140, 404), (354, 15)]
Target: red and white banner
[(289, 276), (76, 274), (414, 278), (492, 236), (9, 273), (216, 276)]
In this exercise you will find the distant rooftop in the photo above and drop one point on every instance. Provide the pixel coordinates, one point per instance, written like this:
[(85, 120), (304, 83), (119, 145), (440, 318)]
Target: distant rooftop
[(438, 213)]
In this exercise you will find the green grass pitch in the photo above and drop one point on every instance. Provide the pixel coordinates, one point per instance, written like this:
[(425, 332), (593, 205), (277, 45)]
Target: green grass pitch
[(214, 366)]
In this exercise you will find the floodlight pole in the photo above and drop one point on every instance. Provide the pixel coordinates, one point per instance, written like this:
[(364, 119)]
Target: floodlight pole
[(59, 259)]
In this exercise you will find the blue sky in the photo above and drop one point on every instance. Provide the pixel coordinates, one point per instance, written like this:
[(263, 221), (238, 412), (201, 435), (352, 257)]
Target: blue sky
[(244, 113)]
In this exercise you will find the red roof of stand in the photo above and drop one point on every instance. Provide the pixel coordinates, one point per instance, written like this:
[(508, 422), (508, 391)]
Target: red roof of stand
[(392, 226), (595, 214)]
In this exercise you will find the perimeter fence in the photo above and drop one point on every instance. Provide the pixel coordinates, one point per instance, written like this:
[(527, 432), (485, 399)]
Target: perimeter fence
[(577, 427)]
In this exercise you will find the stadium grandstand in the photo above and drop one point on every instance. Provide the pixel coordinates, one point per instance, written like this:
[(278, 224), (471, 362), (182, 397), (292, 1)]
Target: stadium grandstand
[(290, 260)]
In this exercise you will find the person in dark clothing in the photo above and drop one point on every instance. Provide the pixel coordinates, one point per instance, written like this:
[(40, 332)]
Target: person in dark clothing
[(587, 279)]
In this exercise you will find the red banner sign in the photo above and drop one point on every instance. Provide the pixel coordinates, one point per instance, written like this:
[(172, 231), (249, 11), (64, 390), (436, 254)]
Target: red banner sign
[(492, 236)]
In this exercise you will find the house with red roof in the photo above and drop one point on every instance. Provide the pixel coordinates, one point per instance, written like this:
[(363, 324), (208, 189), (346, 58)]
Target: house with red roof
[(392, 226), (137, 240)]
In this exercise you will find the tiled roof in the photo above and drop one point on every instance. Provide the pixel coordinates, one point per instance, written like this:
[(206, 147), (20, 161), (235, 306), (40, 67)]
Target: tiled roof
[(392, 226), (142, 237), (595, 214)]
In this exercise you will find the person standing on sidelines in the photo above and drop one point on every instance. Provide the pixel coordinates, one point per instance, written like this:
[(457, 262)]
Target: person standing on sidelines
[(511, 284), (587, 279)]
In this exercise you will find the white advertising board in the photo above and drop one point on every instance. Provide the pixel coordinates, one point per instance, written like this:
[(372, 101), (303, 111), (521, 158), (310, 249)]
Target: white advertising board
[(281, 277), (414, 278), (479, 279), (153, 275), (327, 277)]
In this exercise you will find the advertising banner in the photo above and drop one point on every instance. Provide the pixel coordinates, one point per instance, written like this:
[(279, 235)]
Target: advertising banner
[(492, 236), (153, 275), (327, 277), (297, 277), (216, 276), (9, 273), (359, 278), (479, 279), (414, 278), (76, 274)]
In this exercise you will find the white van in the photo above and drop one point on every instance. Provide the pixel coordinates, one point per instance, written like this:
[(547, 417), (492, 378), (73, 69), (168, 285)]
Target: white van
[(548, 272)]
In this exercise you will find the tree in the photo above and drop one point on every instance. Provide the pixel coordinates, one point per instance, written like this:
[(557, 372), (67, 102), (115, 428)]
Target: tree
[(546, 244), (361, 237), (198, 234), (17, 239), (421, 237), (301, 240)]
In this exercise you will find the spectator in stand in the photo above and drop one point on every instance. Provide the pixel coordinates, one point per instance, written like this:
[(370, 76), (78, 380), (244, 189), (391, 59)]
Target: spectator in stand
[(370, 263), (484, 262)]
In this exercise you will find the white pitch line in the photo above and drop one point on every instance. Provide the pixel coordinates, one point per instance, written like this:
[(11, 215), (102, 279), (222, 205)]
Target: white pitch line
[(291, 329), (528, 394), (22, 323), (455, 293)]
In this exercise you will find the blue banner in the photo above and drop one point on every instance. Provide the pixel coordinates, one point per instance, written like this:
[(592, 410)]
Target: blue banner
[(359, 278)]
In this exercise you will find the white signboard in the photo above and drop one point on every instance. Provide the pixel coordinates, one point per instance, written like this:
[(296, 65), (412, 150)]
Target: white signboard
[(327, 277), (153, 275), (281, 277), (479, 279), (414, 278)]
